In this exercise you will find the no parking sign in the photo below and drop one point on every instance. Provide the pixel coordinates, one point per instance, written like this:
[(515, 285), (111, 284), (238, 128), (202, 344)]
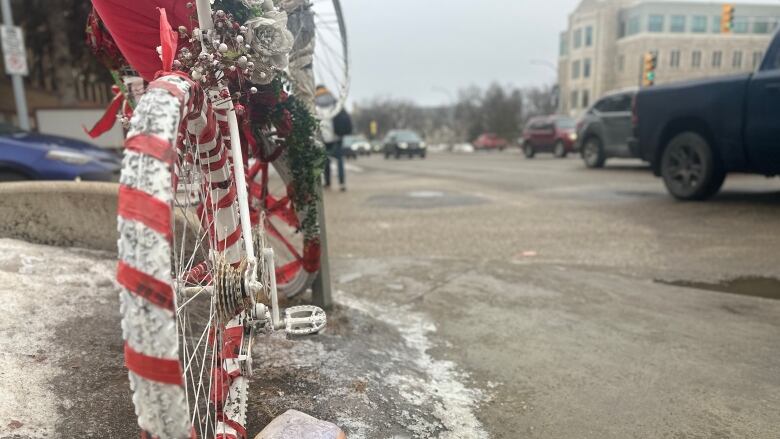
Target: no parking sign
[(14, 55)]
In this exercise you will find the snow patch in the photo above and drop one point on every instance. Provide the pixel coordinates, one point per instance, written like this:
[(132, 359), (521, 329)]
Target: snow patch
[(442, 385)]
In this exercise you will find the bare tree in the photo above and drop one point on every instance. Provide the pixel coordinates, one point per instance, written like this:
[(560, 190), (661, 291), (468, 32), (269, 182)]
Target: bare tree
[(497, 109), (540, 100)]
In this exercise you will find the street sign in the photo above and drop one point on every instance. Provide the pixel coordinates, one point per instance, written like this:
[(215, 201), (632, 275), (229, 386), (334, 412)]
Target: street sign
[(14, 55)]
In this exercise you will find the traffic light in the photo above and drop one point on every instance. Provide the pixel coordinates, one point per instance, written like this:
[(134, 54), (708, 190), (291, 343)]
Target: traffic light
[(727, 19), (649, 64)]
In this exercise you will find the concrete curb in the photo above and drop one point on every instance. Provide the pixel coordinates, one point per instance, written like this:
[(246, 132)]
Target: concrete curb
[(61, 213)]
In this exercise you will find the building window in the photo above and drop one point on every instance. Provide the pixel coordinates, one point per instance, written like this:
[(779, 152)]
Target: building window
[(621, 62), (736, 60), (655, 23), (633, 25), (699, 24), (757, 57), (585, 98), (716, 58), (575, 69), (586, 68), (577, 38), (564, 49), (678, 23), (696, 59), (740, 25), (674, 59), (761, 26), (574, 97), (588, 36), (716, 24)]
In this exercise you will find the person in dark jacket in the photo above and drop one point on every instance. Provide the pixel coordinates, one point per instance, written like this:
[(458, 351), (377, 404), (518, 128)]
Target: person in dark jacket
[(334, 125)]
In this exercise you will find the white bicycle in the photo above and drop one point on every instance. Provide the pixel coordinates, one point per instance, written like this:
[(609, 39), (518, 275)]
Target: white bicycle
[(199, 280)]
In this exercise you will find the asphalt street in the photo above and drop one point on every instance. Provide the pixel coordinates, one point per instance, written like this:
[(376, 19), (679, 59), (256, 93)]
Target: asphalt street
[(477, 295), (581, 303)]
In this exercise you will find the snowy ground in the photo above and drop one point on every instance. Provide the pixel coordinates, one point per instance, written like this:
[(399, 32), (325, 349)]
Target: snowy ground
[(62, 376)]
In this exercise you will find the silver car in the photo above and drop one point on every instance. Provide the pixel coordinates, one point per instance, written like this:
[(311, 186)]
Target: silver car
[(604, 130)]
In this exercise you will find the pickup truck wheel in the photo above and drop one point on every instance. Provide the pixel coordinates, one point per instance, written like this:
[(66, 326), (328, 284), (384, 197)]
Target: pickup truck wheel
[(593, 153), (690, 169), (559, 150), (528, 151)]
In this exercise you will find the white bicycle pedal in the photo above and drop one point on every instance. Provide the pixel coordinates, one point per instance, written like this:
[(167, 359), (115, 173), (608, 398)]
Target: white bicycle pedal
[(304, 320)]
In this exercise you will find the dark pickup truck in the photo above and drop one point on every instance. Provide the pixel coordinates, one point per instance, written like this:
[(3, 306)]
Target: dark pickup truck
[(694, 133)]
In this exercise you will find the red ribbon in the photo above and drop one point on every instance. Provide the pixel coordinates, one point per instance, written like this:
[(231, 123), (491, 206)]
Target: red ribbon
[(109, 117), (311, 255), (167, 41)]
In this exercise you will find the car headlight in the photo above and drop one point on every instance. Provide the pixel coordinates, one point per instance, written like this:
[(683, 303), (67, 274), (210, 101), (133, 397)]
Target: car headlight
[(72, 157), (573, 136), (403, 145), (423, 145)]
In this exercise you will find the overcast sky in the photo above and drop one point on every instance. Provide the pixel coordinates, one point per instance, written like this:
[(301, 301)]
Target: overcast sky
[(414, 48)]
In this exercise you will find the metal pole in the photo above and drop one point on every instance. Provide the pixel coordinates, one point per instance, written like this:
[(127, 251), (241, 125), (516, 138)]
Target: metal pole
[(322, 295), (16, 80), (321, 289)]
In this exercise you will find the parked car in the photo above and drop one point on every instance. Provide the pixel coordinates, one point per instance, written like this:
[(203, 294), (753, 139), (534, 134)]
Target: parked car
[(355, 145), (403, 142), (26, 155), (694, 133), (555, 134), (463, 148), (490, 142), (604, 130)]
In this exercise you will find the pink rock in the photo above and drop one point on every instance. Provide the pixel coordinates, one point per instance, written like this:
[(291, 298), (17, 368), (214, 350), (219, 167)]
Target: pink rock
[(293, 424)]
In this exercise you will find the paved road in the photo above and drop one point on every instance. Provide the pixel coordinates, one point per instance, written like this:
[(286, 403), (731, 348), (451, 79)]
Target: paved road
[(544, 281)]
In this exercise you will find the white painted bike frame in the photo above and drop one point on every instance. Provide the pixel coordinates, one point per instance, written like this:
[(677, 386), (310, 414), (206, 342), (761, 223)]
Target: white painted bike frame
[(206, 26)]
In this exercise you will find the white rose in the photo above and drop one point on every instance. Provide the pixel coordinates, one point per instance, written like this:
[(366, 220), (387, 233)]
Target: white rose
[(271, 43)]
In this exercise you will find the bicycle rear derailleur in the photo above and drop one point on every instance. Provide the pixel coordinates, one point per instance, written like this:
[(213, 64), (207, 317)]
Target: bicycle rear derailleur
[(237, 288)]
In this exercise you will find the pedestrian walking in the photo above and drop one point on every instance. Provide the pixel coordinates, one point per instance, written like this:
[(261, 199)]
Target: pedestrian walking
[(333, 128)]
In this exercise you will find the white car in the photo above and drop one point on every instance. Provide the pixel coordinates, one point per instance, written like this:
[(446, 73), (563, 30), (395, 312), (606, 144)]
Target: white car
[(356, 145), (463, 148)]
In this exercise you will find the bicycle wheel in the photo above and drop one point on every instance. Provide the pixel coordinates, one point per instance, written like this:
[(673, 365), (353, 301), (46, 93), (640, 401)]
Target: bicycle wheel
[(297, 259), (321, 44), (180, 255)]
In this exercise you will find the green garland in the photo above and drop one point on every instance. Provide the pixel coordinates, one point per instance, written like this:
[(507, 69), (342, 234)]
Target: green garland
[(306, 162)]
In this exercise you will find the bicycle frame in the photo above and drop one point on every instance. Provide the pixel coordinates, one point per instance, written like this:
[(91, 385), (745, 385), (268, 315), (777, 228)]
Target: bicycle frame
[(206, 24)]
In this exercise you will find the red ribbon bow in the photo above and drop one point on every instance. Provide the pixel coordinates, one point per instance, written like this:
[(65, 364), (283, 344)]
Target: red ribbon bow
[(109, 117), (168, 43)]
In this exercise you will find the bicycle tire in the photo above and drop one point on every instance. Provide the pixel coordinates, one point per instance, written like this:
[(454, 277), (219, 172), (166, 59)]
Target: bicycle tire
[(154, 218)]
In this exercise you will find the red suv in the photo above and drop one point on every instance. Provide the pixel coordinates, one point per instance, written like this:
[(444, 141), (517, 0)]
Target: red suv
[(555, 134), (490, 141)]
